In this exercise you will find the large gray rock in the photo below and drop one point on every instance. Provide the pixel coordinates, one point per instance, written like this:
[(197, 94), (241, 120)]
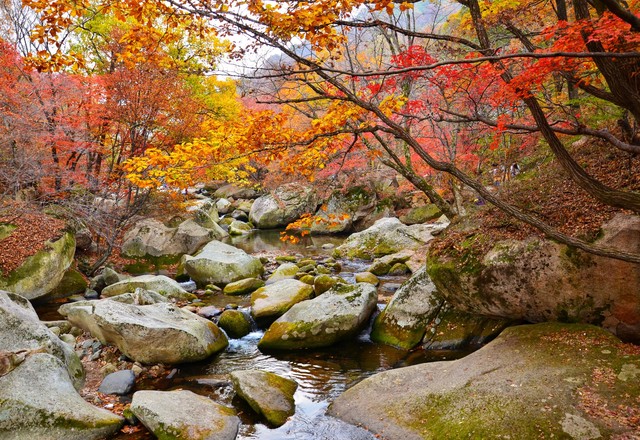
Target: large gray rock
[(335, 315), (20, 329), (343, 209), (273, 300), (219, 263), (151, 334), (40, 273), (286, 204), (150, 238), (39, 402), (267, 393), (387, 236), (184, 415), (161, 284), (540, 280), (233, 191), (535, 381), (404, 320)]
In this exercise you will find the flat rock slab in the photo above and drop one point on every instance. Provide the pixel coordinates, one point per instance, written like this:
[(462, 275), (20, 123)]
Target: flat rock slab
[(272, 301), (534, 381), (161, 284), (39, 402), (151, 334), (337, 314), (184, 415), (267, 393)]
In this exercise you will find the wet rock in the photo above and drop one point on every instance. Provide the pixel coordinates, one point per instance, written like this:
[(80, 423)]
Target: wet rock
[(367, 277), (235, 323), (221, 264), (267, 393), (39, 402), (209, 312), (286, 204), (238, 227), (386, 236), (39, 274), (161, 284), (333, 316), (150, 334), (322, 283), (284, 272), (119, 383), (404, 320), (533, 381), (271, 301), (242, 287), (22, 331), (182, 414)]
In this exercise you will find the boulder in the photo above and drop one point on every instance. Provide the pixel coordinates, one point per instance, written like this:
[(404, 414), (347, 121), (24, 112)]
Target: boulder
[(22, 331), (206, 215), (343, 209), (151, 239), (335, 315), (538, 280), (235, 192), (386, 236), (150, 334), (283, 272), (223, 206), (72, 283), (39, 402), (40, 273), (404, 320), (286, 204), (366, 277), (161, 284), (322, 283), (243, 287), (267, 393), (184, 415), (535, 381), (238, 227), (421, 214), (219, 263), (272, 301), (235, 323)]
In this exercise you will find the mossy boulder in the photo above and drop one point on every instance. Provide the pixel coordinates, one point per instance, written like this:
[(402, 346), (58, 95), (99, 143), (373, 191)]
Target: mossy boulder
[(273, 300), (283, 272), (538, 280), (184, 415), (207, 216), (286, 204), (454, 330), (342, 209), (335, 315), (161, 284), (546, 380), (40, 273), (242, 287), (387, 236), (322, 283), (421, 214), (238, 227), (39, 402), (72, 283), (22, 330), (150, 334), (367, 277), (267, 393), (404, 320), (235, 323), (219, 263)]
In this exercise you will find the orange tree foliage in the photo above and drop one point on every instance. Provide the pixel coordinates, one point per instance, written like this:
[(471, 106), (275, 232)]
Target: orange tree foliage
[(486, 79)]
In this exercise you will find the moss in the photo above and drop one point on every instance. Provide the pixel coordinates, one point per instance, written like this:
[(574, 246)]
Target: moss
[(6, 229), (389, 333), (235, 323)]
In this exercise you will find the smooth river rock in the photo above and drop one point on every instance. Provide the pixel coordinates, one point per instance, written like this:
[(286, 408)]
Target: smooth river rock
[(267, 393), (161, 284), (150, 334), (534, 381), (272, 301), (39, 402), (184, 415), (335, 315), (219, 263)]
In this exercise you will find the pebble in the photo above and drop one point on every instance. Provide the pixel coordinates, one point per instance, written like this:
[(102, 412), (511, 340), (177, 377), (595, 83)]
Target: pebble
[(96, 355)]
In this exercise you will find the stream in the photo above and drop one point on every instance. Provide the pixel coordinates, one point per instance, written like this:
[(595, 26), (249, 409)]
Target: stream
[(321, 374)]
